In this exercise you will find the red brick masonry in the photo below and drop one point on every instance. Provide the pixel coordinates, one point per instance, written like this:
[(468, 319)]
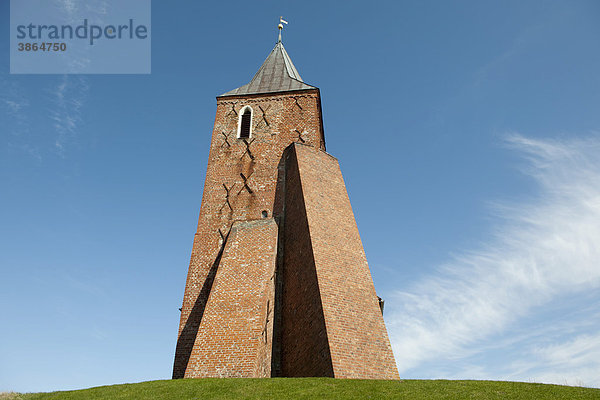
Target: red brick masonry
[(278, 283)]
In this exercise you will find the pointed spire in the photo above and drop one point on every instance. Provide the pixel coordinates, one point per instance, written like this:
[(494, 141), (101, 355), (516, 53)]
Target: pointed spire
[(277, 73)]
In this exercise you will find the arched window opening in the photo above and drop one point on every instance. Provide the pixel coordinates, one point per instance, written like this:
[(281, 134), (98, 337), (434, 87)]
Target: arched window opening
[(245, 123)]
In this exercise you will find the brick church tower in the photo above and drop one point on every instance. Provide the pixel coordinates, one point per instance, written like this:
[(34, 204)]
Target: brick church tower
[(278, 282)]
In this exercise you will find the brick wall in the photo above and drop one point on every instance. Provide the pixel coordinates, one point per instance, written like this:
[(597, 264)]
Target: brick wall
[(304, 343), (286, 295), (277, 121), (356, 333), (235, 335)]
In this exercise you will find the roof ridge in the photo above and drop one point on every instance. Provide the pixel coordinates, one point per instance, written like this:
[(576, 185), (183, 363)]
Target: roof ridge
[(289, 64)]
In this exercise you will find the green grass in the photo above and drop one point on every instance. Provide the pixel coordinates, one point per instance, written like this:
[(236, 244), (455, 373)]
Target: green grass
[(320, 388)]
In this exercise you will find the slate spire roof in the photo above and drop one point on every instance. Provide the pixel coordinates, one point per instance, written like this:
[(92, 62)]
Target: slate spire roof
[(277, 74)]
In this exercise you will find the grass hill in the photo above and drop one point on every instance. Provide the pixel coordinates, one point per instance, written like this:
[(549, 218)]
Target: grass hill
[(319, 388)]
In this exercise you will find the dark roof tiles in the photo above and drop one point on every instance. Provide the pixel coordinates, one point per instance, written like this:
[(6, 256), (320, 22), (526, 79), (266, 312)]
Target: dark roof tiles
[(277, 74)]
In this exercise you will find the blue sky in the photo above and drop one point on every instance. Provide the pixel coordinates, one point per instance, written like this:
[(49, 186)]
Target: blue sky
[(468, 134)]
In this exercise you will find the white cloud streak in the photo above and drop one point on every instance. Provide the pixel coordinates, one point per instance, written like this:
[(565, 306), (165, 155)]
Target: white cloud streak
[(543, 250), (574, 362), (15, 107), (74, 12), (65, 100), (69, 97)]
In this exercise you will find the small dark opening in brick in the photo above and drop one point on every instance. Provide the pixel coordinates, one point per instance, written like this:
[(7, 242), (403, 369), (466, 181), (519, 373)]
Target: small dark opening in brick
[(245, 124), (265, 214)]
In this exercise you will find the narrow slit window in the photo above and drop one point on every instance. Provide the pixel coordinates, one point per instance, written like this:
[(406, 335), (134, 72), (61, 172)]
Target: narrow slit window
[(245, 123)]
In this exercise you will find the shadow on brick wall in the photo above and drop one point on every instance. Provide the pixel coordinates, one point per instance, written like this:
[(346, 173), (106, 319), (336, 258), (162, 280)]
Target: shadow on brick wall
[(187, 338)]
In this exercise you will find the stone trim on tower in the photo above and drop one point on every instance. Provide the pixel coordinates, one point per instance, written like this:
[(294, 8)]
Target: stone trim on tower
[(244, 130)]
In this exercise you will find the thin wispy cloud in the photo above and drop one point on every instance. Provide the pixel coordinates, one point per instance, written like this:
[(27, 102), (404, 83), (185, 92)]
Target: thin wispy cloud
[(74, 12), (15, 106), (541, 264), (70, 94), (574, 362), (37, 134), (74, 9), (68, 98), (69, 5), (98, 8), (64, 98)]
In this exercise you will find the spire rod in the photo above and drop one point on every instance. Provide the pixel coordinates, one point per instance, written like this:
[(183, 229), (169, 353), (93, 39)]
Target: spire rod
[(280, 26)]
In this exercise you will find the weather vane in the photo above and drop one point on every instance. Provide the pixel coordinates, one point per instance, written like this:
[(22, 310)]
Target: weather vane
[(280, 26)]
